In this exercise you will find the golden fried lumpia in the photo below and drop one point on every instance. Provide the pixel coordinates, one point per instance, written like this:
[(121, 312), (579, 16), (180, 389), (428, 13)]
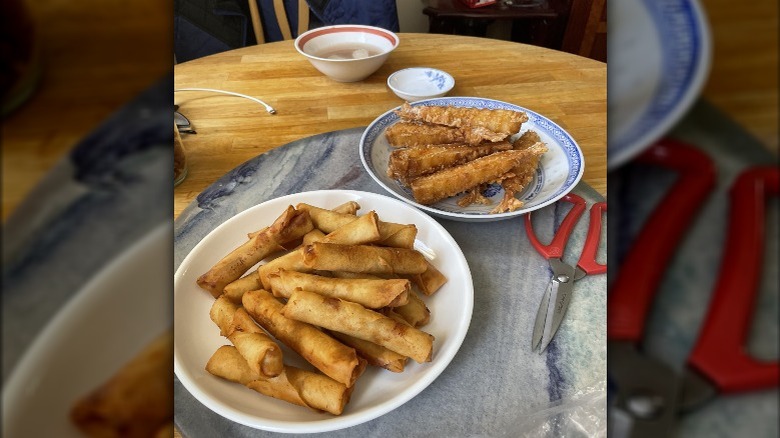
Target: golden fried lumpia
[(429, 281), (326, 220), (261, 353), (136, 401), (357, 321), (407, 164), (500, 121), (349, 207), (374, 354), (397, 235), (522, 174), (291, 225), (448, 182), (415, 312), (363, 258), (328, 355), (236, 289), (222, 311), (410, 134), (373, 294)]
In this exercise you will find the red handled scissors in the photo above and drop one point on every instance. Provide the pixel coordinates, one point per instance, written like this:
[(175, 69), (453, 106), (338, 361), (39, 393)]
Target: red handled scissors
[(651, 394), (557, 297)]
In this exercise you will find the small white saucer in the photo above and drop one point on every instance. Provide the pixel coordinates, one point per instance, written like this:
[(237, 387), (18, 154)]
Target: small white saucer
[(418, 83)]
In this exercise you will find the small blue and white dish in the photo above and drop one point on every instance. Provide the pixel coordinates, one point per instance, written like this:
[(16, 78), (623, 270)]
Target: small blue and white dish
[(418, 83), (560, 168)]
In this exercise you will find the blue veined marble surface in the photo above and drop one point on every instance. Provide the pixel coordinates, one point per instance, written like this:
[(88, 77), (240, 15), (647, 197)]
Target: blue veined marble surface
[(495, 386), (682, 300)]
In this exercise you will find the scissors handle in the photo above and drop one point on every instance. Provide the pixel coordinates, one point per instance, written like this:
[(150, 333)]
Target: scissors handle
[(643, 267), (555, 248), (587, 260), (719, 352)]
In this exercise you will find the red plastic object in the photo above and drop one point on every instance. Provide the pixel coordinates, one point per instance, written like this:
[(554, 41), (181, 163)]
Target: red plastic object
[(477, 3), (719, 352), (587, 261), (638, 279), (555, 248)]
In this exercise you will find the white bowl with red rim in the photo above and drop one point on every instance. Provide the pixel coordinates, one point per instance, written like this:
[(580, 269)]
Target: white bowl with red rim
[(347, 52)]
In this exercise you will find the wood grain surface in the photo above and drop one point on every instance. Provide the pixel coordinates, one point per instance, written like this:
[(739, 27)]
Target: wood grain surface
[(568, 89)]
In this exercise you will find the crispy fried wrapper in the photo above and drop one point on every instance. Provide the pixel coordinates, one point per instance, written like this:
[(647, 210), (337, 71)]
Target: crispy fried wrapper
[(373, 294), (328, 355), (261, 352), (234, 290), (363, 258), (291, 225), (429, 281), (357, 321), (374, 354), (523, 173), (293, 385), (432, 188), (136, 401), (409, 163), (500, 121), (414, 312)]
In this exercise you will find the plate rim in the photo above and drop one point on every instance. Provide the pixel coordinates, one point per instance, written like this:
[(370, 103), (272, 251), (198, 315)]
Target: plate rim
[(464, 216), (91, 290), (691, 89), (331, 423)]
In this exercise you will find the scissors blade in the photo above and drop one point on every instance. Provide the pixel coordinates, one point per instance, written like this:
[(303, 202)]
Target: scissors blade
[(541, 315), (560, 297)]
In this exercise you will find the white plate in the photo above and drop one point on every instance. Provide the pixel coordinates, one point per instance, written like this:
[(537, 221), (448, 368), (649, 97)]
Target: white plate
[(660, 54), (560, 168), (90, 339), (378, 391)]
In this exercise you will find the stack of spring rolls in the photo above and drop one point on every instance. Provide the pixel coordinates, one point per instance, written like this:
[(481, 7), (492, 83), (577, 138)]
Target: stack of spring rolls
[(340, 290), (444, 150)]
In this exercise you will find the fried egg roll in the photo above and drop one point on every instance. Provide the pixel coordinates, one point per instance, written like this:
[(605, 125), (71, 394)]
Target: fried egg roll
[(328, 355), (407, 164), (291, 225), (374, 354), (293, 385), (326, 220), (236, 289), (357, 321), (429, 281), (410, 134), (373, 294), (522, 174), (136, 401), (260, 351), (415, 312), (501, 121), (349, 207), (363, 258), (397, 235), (449, 182)]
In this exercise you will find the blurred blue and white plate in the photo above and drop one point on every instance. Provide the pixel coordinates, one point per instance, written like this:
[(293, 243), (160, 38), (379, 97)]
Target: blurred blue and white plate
[(560, 169), (659, 59)]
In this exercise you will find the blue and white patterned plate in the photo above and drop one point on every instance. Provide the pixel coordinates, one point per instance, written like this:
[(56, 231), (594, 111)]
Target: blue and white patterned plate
[(560, 169), (660, 54)]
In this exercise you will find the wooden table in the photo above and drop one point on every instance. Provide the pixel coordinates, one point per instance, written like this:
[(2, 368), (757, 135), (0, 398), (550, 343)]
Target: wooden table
[(568, 89)]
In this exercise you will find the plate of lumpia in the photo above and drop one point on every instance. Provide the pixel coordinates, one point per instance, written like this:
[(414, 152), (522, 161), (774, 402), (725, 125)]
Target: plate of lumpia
[(471, 159), (318, 311)]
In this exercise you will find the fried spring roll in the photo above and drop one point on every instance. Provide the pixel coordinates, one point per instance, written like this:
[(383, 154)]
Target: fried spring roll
[(410, 134), (407, 164), (429, 281), (373, 294), (363, 258), (448, 182), (134, 402), (357, 321), (326, 220), (364, 229), (292, 261), (328, 355), (349, 207), (415, 312), (236, 289), (291, 225), (374, 354), (293, 385), (260, 351), (500, 121), (397, 235)]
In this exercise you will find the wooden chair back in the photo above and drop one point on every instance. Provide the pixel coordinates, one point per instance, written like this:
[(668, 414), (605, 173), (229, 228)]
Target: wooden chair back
[(281, 18)]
